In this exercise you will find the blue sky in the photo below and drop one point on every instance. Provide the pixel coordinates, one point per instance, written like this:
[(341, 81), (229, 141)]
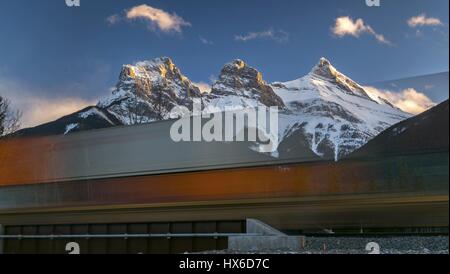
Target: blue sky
[(51, 50)]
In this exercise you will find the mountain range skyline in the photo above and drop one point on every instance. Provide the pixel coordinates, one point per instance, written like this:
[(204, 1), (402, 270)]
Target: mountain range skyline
[(60, 58), (407, 95), (324, 113)]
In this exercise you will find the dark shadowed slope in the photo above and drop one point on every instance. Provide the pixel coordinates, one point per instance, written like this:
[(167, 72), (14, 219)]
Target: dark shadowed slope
[(425, 132), (86, 119)]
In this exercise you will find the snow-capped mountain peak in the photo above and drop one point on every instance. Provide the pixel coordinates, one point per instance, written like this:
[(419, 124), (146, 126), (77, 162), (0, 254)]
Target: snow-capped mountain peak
[(332, 112), (237, 64), (241, 86), (237, 76), (324, 68), (161, 70), (148, 90), (326, 71)]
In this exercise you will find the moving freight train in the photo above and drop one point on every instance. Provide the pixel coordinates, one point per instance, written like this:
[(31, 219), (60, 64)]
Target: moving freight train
[(138, 174)]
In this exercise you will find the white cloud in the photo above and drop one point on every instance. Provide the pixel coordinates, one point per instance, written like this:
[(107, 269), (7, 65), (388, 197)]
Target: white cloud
[(206, 41), (113, 19), (38, 109), (163, 20), (423, 20), (279, 36), (419, 33), (347, 26), (408, 100), (204, 87)]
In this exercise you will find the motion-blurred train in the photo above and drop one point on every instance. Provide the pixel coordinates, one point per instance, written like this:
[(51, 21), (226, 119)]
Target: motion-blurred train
[(138, 174)]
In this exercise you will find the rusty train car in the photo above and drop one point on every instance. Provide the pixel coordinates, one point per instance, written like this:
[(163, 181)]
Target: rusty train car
[(137, 174)]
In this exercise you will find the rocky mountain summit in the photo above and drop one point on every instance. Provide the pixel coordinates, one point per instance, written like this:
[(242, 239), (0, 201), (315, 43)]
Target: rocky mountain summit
[(331, 112), (241, 86), (148, 91)]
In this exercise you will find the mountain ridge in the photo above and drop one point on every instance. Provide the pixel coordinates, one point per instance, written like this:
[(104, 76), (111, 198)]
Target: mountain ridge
[(332, 112), (325, 109), (428, 131)]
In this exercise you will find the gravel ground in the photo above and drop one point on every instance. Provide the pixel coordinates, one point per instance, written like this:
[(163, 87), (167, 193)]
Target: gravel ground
[(357, 245)]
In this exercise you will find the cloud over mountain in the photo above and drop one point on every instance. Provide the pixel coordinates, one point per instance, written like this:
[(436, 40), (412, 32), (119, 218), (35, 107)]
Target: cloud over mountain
[(423, 20), (157, 18), (279, 36), (347, 26), (408, 100)]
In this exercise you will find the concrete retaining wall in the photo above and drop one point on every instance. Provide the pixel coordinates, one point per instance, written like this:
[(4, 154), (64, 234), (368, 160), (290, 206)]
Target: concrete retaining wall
[(268, 239)]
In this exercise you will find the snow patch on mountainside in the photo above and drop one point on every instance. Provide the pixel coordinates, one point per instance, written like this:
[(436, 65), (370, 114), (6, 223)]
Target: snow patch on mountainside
[(94, 111), (70, 127), (229, 103)]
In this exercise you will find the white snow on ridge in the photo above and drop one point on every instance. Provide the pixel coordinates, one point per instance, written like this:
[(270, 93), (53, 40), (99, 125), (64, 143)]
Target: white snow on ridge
[(70, 127), (117, 96), (95, 111), (230, 103), (310, 88)]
